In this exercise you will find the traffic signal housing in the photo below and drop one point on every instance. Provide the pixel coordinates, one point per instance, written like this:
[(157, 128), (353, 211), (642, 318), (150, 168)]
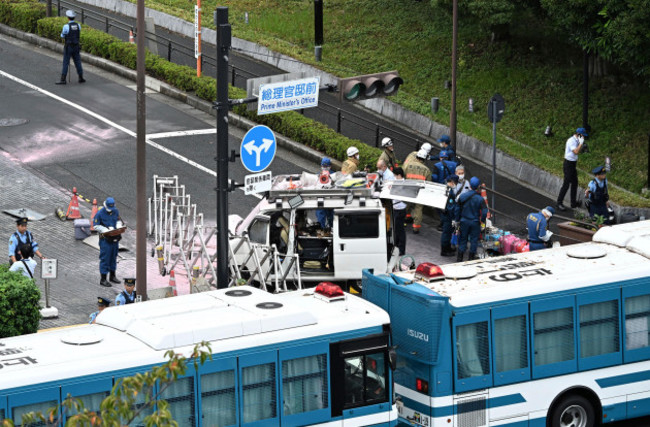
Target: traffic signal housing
[(369, 86)]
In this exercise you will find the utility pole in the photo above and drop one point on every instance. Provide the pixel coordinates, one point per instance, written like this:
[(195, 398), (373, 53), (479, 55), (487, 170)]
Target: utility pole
[(585, 90), (222, 106), (141, 164), (454, 61)]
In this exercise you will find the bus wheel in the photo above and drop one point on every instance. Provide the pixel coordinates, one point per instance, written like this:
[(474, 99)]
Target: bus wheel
[(573, 411)]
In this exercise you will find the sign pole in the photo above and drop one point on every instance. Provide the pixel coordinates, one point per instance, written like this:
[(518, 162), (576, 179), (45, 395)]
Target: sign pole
[(197, 37), (222, 105), (494, 154)]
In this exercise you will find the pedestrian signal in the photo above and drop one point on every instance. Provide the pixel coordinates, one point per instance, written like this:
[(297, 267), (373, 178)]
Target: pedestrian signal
[(369, 86)]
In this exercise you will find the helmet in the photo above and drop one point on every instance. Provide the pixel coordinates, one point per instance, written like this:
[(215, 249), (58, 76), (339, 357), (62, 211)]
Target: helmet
[(387, 142), (326, 162), (70, 14), (422, 154), (353, 151), (443, 154), (549, 211), (426, 146), (474, 183), (109, 204), (445, 139)]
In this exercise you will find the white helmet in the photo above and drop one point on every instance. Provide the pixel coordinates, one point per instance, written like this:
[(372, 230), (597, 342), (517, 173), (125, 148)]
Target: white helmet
[(353, 151), (386, 142), (427, 147), (422, 154), (70, 14)]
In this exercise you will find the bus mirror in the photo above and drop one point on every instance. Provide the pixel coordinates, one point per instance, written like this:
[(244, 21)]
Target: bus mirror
[(392, 357)]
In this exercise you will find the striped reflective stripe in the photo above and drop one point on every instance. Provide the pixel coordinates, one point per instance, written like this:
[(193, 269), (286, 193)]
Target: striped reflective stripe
[(414, 176)]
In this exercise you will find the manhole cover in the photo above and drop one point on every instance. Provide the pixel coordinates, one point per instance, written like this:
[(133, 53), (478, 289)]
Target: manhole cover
[(12, 122)]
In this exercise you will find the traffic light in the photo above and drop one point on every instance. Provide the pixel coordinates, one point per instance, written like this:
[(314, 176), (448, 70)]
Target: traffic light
[(369, 86)]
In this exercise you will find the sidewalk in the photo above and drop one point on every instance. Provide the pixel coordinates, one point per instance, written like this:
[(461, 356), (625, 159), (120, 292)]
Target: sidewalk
[(74, 293)]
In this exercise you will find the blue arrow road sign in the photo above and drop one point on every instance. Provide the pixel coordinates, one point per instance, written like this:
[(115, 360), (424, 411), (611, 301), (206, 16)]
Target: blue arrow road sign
[(258, 148)]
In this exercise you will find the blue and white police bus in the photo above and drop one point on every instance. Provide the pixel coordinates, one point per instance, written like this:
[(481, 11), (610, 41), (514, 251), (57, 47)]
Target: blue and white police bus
[(556, 337), (310, 357)]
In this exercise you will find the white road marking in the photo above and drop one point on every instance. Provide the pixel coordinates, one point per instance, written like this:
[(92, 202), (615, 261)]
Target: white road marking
[(182, 133), (115, 125)]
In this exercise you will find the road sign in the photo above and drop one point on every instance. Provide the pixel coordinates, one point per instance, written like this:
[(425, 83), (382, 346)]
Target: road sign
[(49, 268), (501, 107), (257, 183), (197, 31), (289, 95), (258, 148)]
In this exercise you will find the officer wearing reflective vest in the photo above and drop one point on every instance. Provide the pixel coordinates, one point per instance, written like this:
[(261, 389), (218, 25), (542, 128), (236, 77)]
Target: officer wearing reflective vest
[(71, 33), (538, 233), (472, 210), (388, 155), (417, 170), (351, 164), (597, 194), (127, 296)]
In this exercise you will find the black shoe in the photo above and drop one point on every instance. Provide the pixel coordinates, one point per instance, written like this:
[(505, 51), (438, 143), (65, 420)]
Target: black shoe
[(439, 227), (447, 252), (409, 220), (114, 279), (471, 257), (577, 204), (561, 207), (104, 282), (459, 256), (81, 79)]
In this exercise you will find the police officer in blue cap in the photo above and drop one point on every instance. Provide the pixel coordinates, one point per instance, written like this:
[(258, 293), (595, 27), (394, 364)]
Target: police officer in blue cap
[(71, 34), (444, 168), (472, 210), (445, 142), (127, 296), (448, 217), (538, 234), (105, 220), (102, 303), (19, 237), (597, 194)]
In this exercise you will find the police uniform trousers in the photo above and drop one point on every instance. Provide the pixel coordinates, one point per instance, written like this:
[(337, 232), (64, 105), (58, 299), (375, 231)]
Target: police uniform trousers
[(71, 51), (570, 180), (447, 230), (107, 256), (399, 216), (535, 246), (469, 230), (599, 209)]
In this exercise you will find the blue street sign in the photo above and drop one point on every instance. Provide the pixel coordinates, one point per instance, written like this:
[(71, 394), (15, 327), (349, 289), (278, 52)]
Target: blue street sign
[(258, 148)]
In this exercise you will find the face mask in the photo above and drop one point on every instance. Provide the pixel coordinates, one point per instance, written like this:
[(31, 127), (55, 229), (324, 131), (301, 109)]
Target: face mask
[(380, 172), (461, 178), (356, 156)]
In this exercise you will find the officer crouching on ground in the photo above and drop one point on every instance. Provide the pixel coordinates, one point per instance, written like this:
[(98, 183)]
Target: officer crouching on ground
[(102, 303), (127, 296), (538, 234)]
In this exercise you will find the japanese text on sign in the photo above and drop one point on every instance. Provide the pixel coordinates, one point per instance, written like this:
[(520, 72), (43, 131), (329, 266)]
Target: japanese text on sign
[(289, 95), (257, 183)]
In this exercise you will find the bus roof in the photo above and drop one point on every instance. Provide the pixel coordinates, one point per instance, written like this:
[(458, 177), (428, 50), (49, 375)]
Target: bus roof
[(232, 320), (617, 253)]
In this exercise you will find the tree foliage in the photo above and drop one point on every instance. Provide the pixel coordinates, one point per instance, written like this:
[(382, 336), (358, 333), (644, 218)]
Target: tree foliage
[(131, 398), (19, 304)]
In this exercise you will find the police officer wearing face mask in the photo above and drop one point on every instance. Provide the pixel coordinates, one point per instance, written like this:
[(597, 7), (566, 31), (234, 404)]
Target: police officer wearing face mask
[(571, 150), (71, 33), (106, 219)]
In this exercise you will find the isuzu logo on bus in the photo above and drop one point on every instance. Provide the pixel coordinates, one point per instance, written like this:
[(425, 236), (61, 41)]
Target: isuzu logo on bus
[(418, 335)]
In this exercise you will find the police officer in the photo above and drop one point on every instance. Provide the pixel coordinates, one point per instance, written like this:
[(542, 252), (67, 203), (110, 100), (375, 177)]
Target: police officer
[(127, 296), (448, 217), (20, 236), (388, 155), (351, 164), (71, 33), (538, 233), (471, 212), (102, 303), (105, 220), (445, 142), (443, 168), (598, 195), (417, 170)]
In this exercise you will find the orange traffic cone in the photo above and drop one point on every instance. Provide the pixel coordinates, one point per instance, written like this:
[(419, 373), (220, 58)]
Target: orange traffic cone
[(73, 207), (131, 38), (172, 282), (484, 195), (92, 214)]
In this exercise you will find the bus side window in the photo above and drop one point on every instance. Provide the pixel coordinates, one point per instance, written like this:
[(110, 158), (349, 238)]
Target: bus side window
[(218, 398), (180, 397), (23, 403), (304, 384), (637, 322)]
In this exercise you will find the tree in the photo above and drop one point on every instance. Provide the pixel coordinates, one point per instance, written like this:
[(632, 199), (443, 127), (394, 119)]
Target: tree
[(120, 407), (19, 304)]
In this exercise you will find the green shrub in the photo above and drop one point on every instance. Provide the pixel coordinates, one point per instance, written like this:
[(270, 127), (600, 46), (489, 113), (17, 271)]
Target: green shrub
[(123, 53), (23, 15), (19, 297)]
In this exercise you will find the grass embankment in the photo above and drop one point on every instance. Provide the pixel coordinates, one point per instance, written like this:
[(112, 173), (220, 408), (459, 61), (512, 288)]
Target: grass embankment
[(539, 76)]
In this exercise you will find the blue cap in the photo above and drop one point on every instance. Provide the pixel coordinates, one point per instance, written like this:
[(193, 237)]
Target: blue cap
[(582, 131), (110, 202), (129, 281), (474, 183), (326, 162), (105, 302), (599, 170), (453, 177), (445, 139), (443, 154), (550, 210)]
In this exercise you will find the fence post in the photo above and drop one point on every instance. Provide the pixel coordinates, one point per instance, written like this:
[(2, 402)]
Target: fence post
[(107, 25), (339, 118), (169, 51), (417, 144), (377, 134), (232, 78), (58, 7), (83, 16)]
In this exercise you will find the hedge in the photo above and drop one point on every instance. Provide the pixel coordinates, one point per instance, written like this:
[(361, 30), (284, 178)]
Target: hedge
[(19, 304), (28, 15)]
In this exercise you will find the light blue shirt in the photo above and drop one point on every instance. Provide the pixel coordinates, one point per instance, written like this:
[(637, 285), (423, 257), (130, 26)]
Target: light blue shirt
[(13, 242), (596, 181), (120, 300), (19, 266)]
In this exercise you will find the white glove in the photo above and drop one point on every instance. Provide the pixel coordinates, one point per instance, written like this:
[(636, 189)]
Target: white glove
[(454, 224)]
